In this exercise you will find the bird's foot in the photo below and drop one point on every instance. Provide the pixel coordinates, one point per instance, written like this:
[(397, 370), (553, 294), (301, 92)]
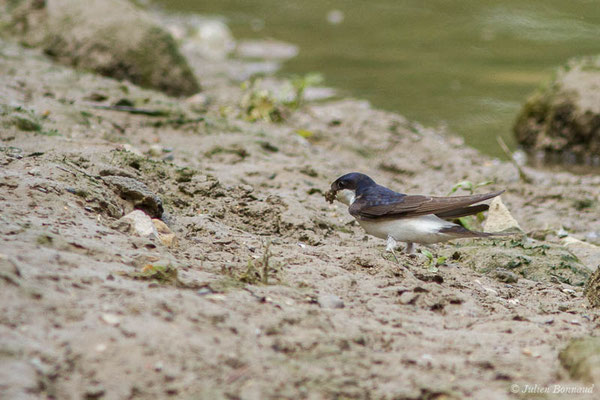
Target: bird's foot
[(410, 247), (391, 246)]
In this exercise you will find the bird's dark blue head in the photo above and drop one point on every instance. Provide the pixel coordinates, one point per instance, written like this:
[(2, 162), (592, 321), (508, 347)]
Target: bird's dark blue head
[(353, 181)]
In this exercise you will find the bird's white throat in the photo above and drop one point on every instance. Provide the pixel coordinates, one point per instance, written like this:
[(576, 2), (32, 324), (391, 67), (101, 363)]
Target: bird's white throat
[(346, 196)]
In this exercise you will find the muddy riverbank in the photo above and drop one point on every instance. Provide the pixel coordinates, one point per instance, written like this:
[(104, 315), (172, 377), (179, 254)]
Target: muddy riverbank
[(265, 290)]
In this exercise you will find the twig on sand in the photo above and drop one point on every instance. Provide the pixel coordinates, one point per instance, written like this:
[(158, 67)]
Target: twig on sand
[(135, 110), (524, 177)]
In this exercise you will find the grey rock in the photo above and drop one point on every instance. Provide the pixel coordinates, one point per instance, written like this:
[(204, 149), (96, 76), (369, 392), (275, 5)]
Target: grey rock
[(112, 37), (587, 253), (506, 276), (138, 193), (563, 119)]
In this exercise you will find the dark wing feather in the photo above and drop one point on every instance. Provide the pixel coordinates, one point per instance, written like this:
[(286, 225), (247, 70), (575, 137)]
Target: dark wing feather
[(463, 212), (379, 205)]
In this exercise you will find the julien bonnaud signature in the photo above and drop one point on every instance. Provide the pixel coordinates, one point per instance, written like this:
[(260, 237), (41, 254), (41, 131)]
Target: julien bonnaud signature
[(551, 389)]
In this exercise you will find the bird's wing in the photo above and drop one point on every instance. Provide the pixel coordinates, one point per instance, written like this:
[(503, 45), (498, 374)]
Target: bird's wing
[(463, 212), (374, 206)]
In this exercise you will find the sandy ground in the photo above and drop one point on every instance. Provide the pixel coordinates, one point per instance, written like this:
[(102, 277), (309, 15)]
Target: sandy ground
[(277, 293)]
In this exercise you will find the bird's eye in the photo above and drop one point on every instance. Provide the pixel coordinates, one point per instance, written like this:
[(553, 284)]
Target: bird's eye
[(342, 183)]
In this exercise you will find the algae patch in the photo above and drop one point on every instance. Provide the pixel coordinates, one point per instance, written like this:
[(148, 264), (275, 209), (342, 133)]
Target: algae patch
[(525, 257), (581, 358), (160, 274), (592, 289)]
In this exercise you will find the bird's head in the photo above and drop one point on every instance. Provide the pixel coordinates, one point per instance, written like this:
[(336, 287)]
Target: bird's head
[(351, 181), (348, 185)]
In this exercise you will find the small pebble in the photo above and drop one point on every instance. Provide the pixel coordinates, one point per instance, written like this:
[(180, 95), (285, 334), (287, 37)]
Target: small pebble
[(561, 233), (506, 276), (137, 222), (330, 301), (204, 291), (155, 150), (110, 319)]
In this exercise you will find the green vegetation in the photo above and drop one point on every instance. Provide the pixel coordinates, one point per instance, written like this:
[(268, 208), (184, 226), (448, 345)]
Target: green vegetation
[(258, 270), (300, 83), (432, 262), (259, 104), (468, 186), (471, 222), (159, 274)]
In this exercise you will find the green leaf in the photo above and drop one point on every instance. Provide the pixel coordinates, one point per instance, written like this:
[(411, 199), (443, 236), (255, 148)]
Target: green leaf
[(305, 133), (467, 222), (469, 186), (466, 185), (484, 183), (427, 254)]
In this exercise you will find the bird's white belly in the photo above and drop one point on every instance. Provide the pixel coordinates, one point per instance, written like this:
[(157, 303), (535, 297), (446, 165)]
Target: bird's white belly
[(423, 229)]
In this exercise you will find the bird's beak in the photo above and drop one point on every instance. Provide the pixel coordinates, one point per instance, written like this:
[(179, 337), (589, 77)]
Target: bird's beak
[(334, 187)]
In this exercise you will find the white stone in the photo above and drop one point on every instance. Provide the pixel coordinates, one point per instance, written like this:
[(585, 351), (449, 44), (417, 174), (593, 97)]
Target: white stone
[(131, 149), (499, 218), (327, 300), (587, 253), (213, 39), (155, 150), (266, 49), (111, 319), (166, 236), (139, 223)]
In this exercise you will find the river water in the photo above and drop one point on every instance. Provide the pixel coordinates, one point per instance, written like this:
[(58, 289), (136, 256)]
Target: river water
[(465, 65)]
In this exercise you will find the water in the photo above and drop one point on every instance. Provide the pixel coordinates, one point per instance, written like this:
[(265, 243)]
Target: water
[(465, 65)]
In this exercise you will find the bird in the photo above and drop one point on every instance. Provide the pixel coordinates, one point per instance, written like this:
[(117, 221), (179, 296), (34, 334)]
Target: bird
[(399, 217)]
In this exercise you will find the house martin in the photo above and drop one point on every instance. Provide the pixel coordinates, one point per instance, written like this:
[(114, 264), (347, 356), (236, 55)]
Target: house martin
[(400, 217)]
